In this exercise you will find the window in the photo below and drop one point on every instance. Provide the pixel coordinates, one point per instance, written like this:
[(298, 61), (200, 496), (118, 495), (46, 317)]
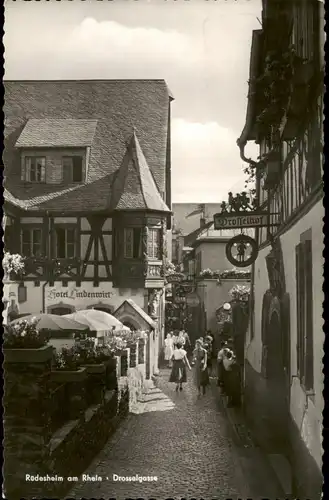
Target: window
[(198, 264), (61, 311), (132, 245), (31, 242), (304, 313), (35, 169), (65, 239), (72, 168), (154, 244)]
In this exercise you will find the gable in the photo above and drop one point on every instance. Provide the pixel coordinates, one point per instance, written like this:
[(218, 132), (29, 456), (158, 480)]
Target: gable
[(117, 105)]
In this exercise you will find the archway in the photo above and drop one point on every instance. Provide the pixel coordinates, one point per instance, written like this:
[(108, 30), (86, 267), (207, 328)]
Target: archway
[(100, 306), (130, 325), (60, 309)]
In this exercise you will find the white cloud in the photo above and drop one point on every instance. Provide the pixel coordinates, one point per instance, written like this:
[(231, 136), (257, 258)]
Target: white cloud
[(111, 39), (205, 162)]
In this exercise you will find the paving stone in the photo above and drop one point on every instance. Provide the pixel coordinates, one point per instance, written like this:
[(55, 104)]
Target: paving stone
[(186, 441)]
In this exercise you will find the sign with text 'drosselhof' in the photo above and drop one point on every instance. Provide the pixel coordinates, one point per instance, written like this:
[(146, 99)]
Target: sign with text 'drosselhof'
[(240, 220)]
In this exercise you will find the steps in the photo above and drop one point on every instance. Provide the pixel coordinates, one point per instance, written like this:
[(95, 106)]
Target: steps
[(151, 399)]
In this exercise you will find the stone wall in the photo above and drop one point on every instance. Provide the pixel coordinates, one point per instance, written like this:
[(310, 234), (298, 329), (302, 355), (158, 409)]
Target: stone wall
[(305, 475), (30, 445)]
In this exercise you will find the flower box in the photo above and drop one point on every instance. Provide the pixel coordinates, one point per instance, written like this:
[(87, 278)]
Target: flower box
[(95, 368), (69, 375), (28, 355)]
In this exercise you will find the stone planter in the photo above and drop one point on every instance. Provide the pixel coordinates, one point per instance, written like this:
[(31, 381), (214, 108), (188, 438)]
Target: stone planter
[(95, 383), (61, 376), (110, 373), (28, 355), (75, 380), (95, 368)]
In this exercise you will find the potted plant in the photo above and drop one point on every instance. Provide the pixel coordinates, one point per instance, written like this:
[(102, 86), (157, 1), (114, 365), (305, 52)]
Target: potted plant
[(67, 370), (13, 264), (116, 345), (240, 293), (67, 366), (89, 356), (23, 343)]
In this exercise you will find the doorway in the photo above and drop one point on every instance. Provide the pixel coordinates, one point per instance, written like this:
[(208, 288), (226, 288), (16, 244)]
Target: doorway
[(278, 401), (130, 325)]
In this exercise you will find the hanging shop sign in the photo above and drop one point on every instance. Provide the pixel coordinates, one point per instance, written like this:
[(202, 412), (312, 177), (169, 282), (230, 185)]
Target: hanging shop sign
[(240, 220), (174, 278), (192, 299), (180, 300), (242, 250)]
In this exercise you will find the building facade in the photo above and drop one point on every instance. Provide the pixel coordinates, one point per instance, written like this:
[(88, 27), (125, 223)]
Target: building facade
[(87, 194), (205, 264), (284, 347)]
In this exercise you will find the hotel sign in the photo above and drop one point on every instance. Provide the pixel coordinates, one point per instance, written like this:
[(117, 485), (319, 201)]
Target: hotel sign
[(240, 220), (77, 294)]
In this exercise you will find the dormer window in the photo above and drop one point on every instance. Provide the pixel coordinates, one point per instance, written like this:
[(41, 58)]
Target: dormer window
[(72, 169), (35, 169)]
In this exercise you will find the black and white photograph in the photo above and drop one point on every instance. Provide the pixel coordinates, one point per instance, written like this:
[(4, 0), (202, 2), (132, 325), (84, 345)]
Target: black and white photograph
[(163, 332)]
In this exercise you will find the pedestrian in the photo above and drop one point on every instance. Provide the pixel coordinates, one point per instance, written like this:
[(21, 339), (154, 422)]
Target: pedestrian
[(175, 338), (220, 367), (169, 349), (230, 376), (208, 346), (187, 345), (201, 376), (180, 362)]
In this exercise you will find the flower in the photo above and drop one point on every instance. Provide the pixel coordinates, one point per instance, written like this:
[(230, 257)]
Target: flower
[(23, 334), (13, 263), (240, 292)]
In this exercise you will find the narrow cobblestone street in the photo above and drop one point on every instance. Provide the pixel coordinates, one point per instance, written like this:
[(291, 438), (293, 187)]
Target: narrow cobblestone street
[(188, 443)]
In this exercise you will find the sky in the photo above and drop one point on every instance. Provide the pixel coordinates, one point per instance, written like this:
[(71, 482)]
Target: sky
[(200, 47)]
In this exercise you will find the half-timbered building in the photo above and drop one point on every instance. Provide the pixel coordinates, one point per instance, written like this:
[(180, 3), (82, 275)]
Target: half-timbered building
[(284, 349), (87, 194)]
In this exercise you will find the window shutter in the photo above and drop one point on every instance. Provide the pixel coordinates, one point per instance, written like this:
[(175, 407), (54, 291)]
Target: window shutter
[(299, 308), (67, 170), (307, 247)]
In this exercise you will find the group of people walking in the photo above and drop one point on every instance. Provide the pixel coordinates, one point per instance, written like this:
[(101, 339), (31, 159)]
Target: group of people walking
[(180, 357)]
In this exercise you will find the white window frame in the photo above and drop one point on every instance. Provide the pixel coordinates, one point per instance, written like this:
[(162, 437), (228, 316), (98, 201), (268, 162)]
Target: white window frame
[(74, 244), (155, 253), (68, 159), (36, 163), (31, 230)]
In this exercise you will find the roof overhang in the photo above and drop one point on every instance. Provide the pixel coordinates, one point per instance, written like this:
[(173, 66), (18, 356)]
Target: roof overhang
[(249, 132)]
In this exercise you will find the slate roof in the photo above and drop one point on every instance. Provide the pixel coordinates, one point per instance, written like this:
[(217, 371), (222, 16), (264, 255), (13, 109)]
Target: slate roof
[(139, 311), (118, 106), (57, 133), (134, 187)]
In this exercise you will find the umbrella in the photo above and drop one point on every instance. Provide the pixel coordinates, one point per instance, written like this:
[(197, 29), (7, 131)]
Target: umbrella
[(98, 321), (52, 322)]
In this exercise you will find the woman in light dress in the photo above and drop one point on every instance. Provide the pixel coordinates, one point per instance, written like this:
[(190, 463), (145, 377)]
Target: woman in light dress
[(180, 362), (169, 349)]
